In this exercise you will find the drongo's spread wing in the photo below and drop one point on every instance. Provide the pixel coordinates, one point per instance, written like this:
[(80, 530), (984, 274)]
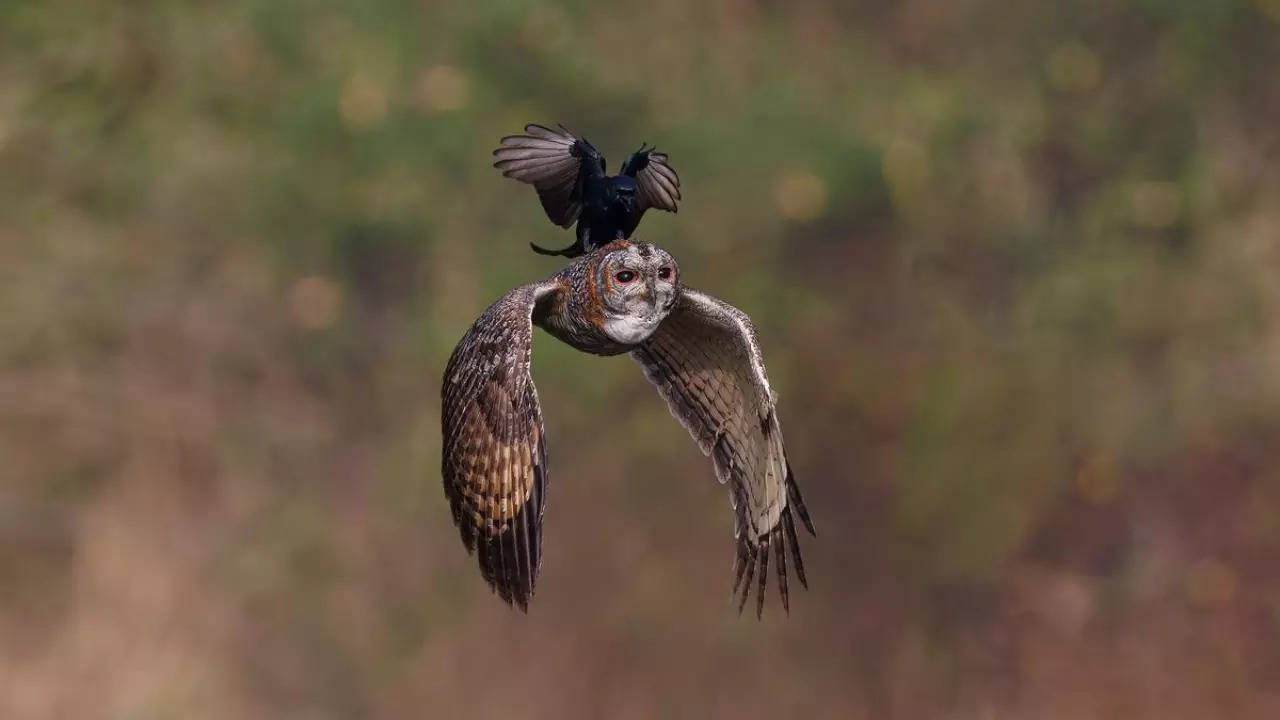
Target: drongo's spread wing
[(658, 183), (552, 161)]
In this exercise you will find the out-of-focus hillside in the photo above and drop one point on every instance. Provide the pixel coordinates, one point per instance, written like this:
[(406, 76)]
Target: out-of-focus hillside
[(1016, 270)]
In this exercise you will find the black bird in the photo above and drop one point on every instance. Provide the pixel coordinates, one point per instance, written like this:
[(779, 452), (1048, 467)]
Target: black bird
[(569, 175)]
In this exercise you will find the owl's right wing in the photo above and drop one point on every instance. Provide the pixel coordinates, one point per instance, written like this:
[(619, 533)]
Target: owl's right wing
[(494, 459), (706, 363), (552, 162)]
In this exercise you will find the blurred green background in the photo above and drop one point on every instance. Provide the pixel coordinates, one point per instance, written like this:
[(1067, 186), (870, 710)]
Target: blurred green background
[(1015, 267)]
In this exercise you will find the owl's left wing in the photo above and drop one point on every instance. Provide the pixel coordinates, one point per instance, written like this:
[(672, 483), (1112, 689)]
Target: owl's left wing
[(494, 459), (706, 363)]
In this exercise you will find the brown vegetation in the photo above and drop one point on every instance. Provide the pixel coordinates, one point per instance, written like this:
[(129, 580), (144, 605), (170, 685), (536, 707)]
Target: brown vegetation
[(1015, 268)]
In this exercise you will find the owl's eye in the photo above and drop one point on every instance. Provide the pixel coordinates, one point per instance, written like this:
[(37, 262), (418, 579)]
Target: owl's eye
[(664, 273), (624, 276)]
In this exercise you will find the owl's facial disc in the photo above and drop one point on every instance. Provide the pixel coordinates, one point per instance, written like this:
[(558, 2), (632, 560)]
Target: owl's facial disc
[(639, 285)]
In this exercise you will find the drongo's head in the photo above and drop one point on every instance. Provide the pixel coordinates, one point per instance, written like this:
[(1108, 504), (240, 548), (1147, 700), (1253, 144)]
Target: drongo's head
[(624, 190)]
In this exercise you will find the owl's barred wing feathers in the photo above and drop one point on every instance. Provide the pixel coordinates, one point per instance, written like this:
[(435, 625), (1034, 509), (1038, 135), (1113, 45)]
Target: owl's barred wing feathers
[(706, 363), (494, 458), (550, 161)]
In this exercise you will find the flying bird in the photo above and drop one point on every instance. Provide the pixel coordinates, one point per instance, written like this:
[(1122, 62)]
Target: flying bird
[(702, 355), (569, 175)]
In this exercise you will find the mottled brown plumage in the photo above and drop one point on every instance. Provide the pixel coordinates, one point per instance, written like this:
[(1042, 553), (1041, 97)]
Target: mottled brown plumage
[(700, 353), (706, 362)]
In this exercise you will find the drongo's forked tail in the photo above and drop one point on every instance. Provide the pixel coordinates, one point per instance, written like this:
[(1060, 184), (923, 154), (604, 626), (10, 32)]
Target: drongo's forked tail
[(572, 251)]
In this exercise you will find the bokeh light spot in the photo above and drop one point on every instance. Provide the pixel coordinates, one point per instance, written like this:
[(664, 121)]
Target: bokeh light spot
[(800, 195), (1155, 204), (1098, 481), (1210, 582), (316, 302), (1074, 67), (444, 88), (1270, 8), (1065, 601), (363, 102)]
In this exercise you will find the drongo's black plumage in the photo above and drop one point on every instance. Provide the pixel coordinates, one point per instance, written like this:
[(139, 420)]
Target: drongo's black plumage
[(569, 175)]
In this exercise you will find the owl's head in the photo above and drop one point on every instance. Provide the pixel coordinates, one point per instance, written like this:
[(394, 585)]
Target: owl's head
[(639, 285)]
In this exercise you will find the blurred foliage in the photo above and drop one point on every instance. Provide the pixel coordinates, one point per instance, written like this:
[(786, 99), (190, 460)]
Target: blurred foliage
[(1015, 268)]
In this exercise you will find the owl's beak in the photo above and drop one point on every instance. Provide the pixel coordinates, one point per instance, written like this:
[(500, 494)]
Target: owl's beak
[(650, 295)]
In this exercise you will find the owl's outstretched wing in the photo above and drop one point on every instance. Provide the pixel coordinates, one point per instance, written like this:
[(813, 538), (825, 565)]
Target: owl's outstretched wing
[(494, 459), (706, 362), (552, 162), (657, 181)]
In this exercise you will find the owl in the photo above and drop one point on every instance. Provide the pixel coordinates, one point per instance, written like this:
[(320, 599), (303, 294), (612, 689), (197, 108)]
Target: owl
[(699, 352)]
